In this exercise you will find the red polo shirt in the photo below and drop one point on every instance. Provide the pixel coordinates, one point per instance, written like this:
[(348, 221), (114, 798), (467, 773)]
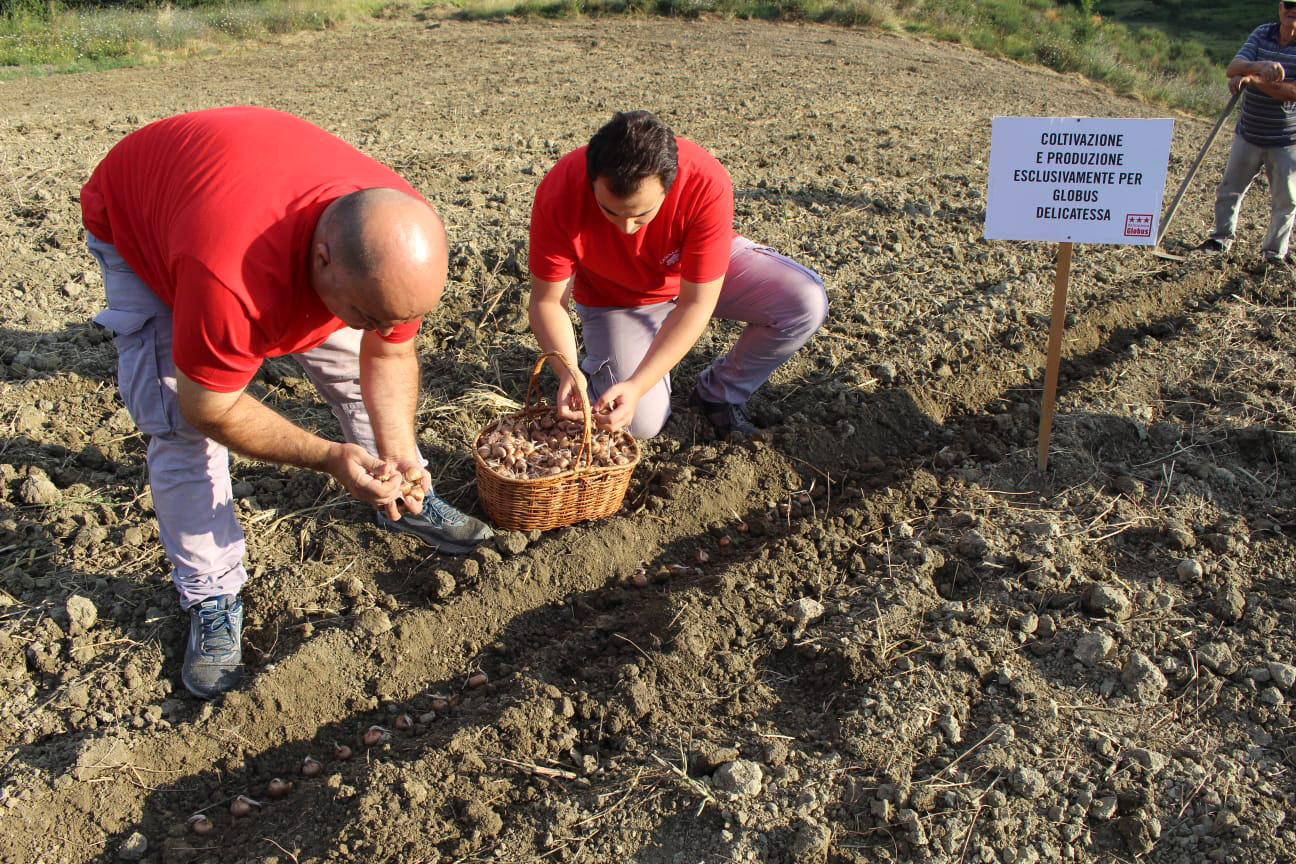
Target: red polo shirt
[(215, 210), (689, 238)]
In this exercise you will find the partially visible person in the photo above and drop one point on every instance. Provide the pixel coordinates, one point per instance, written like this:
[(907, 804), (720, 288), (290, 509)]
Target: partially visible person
[(637, 229), (229, 236), (1265, 137)]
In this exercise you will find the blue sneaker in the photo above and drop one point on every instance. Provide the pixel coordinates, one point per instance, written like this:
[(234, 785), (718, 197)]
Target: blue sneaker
[(440, 525), (214, 656)]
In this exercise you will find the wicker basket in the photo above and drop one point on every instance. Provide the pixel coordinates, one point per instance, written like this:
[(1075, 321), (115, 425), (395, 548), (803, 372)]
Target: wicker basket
[(579, 493)]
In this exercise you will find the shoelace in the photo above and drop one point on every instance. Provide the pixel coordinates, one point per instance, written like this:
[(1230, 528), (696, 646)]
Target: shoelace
[(444, 512), (215, 630), (738, 417)]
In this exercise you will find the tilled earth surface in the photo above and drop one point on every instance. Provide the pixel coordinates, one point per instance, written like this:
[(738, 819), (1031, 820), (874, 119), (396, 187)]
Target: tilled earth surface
[(880, 635)]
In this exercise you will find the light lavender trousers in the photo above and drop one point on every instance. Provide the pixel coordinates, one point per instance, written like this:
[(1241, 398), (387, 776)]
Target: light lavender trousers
[(1244, 164), (782, 303), (189, 472)]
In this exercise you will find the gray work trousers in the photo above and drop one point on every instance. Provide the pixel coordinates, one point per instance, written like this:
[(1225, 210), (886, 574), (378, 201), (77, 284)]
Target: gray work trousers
[(1244, 165), (189, 472), (782, 303)]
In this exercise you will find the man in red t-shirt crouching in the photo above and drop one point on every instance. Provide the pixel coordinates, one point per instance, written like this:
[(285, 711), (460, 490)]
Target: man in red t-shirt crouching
[(236, 234), (637, 228)]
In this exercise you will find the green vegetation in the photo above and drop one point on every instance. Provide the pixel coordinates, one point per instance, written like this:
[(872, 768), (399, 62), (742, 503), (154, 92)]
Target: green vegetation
[(1170, 52), (1220, 27), (39, 36)]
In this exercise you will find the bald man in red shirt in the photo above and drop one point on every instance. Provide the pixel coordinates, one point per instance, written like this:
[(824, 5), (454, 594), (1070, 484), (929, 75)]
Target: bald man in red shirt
[(637, 229), (236, 234)]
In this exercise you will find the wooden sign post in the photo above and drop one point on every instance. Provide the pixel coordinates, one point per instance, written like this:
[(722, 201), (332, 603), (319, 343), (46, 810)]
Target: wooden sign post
[(1074, 180), (1054, 357)]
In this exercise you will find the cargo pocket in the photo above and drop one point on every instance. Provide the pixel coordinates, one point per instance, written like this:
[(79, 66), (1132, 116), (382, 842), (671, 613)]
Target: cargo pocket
[(599, 376), (148, 398), (796, 265)]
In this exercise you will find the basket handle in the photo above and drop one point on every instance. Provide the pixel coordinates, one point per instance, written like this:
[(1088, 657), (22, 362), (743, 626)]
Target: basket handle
[(586, 451)]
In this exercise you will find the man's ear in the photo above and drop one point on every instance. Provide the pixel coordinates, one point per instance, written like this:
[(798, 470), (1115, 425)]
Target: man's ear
[(320, 254)]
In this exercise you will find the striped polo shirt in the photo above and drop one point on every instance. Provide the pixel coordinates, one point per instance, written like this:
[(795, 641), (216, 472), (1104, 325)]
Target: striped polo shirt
[(1265, 121)]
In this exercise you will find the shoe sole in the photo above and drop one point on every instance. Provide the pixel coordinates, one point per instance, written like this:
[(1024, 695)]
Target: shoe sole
[(452, 548)]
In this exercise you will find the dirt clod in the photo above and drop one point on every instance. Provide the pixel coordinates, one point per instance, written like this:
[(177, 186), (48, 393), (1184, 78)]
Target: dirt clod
[(1283, 674), (1106, 601), (1218, 658), (511, 543), (811, 843), (38, 491), (82, 614), (1142, 679), (373, 621), (740, 777), (481, 820), (1092, 648), (134, 847)]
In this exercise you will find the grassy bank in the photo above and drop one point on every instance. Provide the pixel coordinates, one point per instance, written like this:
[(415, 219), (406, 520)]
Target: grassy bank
[(1220, 26), (1170, 52), (38, 37)]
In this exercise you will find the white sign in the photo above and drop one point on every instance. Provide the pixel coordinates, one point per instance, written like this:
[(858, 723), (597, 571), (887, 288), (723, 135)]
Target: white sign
[(1076, 179)]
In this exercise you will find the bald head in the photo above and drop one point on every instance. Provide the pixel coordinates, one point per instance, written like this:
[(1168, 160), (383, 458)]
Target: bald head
[(378, 258)]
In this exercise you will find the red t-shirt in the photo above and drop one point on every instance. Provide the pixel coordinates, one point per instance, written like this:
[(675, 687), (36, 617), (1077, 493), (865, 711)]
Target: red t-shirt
[(689, 238), (215, 210)]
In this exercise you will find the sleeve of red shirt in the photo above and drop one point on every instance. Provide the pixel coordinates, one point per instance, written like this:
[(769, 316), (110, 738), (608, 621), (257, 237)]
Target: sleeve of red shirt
[(401, 332), (552, 256), (705, 256)]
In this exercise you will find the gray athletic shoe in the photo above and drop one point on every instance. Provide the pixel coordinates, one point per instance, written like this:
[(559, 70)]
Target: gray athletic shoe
[(1268, 262), (440, 525), (1214, 246), (729, 421), (214, 656)]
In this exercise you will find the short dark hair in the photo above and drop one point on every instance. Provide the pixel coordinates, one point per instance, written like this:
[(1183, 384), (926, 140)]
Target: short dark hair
[(347, 242), (631, 146)]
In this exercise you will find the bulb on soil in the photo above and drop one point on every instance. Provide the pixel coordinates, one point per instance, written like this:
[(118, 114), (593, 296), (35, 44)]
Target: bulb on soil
[(311, 767), (440, 704), (639, 578), (477, 679), (278, 788), (375, 735), (243, 806), (200, 824), (404, 723), (341, 752)]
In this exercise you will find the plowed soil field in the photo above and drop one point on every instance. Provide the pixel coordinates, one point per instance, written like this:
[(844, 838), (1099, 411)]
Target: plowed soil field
[(880, 635)]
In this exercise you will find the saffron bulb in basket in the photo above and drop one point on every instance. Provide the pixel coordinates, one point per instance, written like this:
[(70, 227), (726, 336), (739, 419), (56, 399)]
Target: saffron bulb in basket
[(539, 470), (528, 447)]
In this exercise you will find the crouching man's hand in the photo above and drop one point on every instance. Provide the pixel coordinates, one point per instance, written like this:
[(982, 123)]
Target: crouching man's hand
[(370, 479), (414, 485), (616, 407)]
